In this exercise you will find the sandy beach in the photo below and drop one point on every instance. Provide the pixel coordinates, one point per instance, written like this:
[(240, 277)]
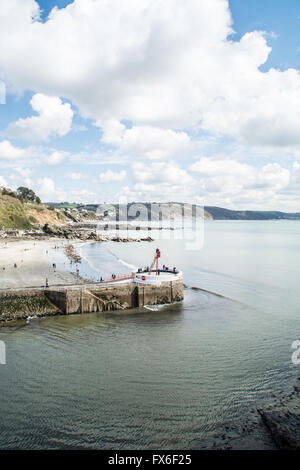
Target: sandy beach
[(34, 260)]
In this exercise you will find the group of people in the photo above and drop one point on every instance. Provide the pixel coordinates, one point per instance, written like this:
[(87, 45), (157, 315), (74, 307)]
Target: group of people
[(165, 268), (113, 276)]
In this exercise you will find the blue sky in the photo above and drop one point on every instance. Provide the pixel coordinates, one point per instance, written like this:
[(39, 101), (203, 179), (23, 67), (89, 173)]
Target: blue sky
[(273, 16), (150, 101)]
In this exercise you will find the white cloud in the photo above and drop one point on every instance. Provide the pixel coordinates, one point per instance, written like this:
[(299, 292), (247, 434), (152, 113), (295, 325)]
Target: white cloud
[(157, 63), (20, 177), (161, 181), (229, 176), (56, 158), (113, 130), (86, 196), (10, 152), (24, 172), (111, 176), (46, 187), (169, 70), (152, 143), (226, 183), (2, 92), (2, 181), (75, 176), (79, 128), (54, 119), (162, 173)]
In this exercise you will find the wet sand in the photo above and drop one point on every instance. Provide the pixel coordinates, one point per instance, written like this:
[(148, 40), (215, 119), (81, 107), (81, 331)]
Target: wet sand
[(34, 259)]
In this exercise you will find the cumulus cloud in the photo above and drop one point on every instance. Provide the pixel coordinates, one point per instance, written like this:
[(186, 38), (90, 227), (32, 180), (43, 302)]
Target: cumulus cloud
[(20, 177), (230, 176), (46, 187), (111, 176), (56, 158), (75, 176), (24, 172), (54, 119), (213, 182), (2, 92), (146, 141), (151, 74), (11, 152), (162, 173), (160, 181), (157, 63), (113, 130), (2, 181)]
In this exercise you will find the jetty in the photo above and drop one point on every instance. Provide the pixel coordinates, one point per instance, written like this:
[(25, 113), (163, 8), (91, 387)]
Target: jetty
[(146, 286)]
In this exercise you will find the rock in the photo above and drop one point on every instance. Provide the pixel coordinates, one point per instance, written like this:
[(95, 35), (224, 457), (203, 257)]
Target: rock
[(92, 236), (72, 232), (284, 428)]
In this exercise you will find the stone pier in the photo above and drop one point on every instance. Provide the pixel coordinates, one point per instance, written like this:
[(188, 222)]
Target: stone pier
[(66, 300)]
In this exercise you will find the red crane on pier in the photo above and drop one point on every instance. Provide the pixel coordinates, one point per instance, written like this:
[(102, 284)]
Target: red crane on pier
[(155, 260)]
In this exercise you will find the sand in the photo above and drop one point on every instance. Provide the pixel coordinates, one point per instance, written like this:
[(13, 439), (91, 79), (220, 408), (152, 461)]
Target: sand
[(34, 259)]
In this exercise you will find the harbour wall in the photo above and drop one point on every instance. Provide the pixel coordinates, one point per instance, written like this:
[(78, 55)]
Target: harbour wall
[(22, 304)]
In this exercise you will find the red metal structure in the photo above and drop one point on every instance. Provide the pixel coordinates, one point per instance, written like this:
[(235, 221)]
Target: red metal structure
[(157, 257), (155, 260)]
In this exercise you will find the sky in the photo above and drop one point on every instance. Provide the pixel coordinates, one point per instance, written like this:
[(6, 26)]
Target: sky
[(152, 100)]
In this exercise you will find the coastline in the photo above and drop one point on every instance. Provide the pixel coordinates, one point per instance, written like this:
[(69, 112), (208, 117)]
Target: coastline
[(34, 260)]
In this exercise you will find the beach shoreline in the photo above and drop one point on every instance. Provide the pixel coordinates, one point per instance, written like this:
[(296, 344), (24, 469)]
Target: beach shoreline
[(28, 263)]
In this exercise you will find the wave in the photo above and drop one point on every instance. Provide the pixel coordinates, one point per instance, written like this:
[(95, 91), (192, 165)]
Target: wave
[(212, 293), (155, 308), (120, 260), (87, 258), (31, 318)]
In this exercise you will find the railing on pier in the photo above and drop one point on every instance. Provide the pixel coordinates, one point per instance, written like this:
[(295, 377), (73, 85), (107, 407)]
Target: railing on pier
[(118, 277), (141, 277)]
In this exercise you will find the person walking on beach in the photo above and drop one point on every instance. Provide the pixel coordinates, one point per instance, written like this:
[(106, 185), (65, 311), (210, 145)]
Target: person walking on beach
[(47, 283)]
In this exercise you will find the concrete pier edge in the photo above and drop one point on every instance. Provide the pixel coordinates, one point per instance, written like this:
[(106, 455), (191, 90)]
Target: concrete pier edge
[(66, 300)]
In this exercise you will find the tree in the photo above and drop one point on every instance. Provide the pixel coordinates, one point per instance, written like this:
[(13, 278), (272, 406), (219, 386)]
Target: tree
[(8, 192), (26, 194)]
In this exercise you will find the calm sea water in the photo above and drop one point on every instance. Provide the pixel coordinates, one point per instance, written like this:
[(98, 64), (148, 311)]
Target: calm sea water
[(190, 375)]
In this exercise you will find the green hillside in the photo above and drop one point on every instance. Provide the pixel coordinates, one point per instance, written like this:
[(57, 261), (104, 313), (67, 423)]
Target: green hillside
[(15, 214)]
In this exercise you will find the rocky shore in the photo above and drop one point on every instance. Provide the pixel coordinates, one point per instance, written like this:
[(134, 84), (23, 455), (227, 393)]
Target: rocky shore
[(67, 232), (283, 421), (73, 232)]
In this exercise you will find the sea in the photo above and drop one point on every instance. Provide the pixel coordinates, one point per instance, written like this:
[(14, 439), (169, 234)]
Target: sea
[(191, 375)]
